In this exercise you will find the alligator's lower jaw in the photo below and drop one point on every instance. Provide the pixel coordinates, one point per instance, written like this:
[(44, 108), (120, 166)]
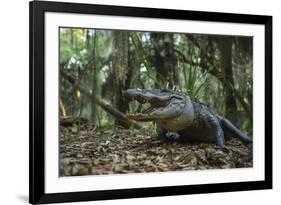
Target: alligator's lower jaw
[(139, 117)]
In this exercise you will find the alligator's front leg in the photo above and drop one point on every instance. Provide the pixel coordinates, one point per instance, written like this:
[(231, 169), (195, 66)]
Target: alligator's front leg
[(166, 136)]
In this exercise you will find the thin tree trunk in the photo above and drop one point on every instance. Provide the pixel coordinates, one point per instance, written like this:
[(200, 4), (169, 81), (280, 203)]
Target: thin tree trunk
[(120, 69), (62, 109), (94, 79), (226, 65), (164, 59)]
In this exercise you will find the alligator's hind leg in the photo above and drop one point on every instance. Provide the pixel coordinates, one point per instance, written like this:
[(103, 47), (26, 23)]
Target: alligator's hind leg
[(215, 124), (219, 137), (234, 132), (166, 136)]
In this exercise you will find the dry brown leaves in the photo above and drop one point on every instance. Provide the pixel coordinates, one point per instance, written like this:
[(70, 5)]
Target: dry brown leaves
[(92, 151)]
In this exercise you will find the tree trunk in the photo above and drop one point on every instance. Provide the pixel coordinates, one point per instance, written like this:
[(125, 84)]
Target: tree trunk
[(163, 58), (120, 70), (226, 65), (94, 78)]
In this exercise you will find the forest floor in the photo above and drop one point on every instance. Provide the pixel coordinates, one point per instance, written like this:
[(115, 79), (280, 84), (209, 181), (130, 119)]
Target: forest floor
[(93, 151)]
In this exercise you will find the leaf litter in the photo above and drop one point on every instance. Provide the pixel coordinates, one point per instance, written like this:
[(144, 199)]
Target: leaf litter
[(95, 151)]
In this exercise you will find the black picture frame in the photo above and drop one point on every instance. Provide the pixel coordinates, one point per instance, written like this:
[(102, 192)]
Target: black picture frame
[(37, 192)]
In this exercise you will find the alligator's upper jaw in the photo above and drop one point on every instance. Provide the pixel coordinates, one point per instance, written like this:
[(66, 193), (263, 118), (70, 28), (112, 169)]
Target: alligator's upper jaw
[(144, 97)]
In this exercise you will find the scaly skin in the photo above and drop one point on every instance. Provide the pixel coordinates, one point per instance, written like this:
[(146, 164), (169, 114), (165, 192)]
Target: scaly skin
[(180, 118)]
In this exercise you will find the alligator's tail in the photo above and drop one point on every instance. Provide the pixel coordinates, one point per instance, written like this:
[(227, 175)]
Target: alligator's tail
[(229, 128)]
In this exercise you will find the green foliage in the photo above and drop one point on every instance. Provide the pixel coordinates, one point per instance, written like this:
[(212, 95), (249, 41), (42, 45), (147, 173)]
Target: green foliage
[(195, 82), (143, 55), (76, 127), (72, 45)]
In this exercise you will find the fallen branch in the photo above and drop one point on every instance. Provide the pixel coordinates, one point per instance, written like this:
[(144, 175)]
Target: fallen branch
[(70, 120), (101, 102)]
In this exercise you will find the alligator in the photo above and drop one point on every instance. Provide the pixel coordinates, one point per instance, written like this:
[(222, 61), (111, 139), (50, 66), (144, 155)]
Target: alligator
[(179, 117)]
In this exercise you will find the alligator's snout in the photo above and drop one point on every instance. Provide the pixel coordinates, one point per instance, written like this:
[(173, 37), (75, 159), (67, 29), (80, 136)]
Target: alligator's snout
[(132, 92), (135, 94), (143, 95)]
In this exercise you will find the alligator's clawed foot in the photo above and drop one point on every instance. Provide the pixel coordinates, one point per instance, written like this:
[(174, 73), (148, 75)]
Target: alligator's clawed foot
[(172, 136)]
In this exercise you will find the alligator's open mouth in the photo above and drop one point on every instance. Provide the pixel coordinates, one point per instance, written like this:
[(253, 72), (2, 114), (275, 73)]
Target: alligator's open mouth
[(143, 107)]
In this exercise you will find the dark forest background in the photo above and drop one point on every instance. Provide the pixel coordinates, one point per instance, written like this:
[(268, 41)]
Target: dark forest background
[(97, 65)]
